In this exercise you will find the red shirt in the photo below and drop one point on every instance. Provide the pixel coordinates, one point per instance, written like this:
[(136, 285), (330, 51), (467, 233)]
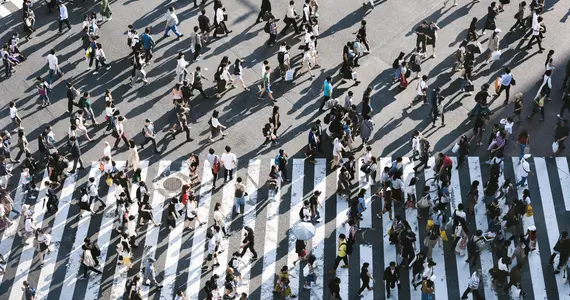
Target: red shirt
[(184, 198)]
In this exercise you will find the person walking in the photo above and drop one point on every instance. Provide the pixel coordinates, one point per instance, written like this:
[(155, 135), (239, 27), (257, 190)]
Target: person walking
[(266, 87), (365, 277), (29, 292), (63, 16), (327, 90), (181, 65), (197, 78), (515, 278), (265, 11), (75, 154), (150, 274), (100, 58), (147, 44), (229, 161), (537, 32), (493, 45), (216, 128), (473, 286), (524, 170), (88, 262), (149, 135), (220, 17), (196, 43), (119, 133), (248, 243), (106, 10), (171, 23), (341, 254), (490, 22), (281, 163), (565, 103), (506, 80), (291, 19), (53, 64), (561, 132), (391, 277)]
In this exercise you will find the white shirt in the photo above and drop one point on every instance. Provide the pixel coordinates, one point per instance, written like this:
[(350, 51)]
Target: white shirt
[(211, 158), (107, 151), (131, 227), (92, 189), (63, 12), (229, 160), (337, 147), (422, 85), (506, 79), (527, 200), (211, 246), (291, 12), (119, 128), (416, 143), (474, 281), (219, 217), (13, 112), (29, 225), (181, 65), (219, 15), (535, 24), (109, 111), (99, 53), (215, 122), (52, 61), (191, 209), (367, 157)]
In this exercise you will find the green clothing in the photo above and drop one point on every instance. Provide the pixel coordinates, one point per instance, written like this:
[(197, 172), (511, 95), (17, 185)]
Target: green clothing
[(84, 103), (105, 9)]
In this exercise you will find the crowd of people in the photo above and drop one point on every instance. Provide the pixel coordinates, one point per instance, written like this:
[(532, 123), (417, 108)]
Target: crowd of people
[(342, 125)]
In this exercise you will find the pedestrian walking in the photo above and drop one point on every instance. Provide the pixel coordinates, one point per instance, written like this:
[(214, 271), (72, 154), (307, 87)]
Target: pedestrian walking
[(149, 135), (197, 78), (106, 10), (53, 64), (341, 254), (266, 87), (473, 286), (229, 161), (29, 291), (63, 16), (505, 82), (88, 262), (392, 278), (490, 21), (561, 132), (365, 277), (119, 133), (248, 243), (181, 65), (75, 154), (265, 12), (171, 23), (147, 45), (196, 43), (291, 17), (220, 18), (150, 274), (215, 164)]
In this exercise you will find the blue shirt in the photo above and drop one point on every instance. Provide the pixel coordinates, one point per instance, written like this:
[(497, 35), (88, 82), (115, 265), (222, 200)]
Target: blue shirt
[(312, 139), (147, 41), (327, 88)]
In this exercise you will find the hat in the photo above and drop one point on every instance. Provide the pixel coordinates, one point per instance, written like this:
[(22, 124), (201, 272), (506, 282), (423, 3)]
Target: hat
[(497, 30), (532, 228), (526, 156)]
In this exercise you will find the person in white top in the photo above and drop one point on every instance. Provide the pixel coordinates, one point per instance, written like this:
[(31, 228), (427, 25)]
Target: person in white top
[(171, 23), (524, 170), (44, 241), (508, 124), (80, 124), (307, 62), (107, 150), (181, 65), (63, 16), (337, 152), (53, 64), (120, 133), (506, 80), (219, 219), (14, 116), (100, 58), (215, 126), (219, 23), (537, 30), (290, 19), (421, 91), (213, 159), (229, 160), (29, 226), (545, 87)]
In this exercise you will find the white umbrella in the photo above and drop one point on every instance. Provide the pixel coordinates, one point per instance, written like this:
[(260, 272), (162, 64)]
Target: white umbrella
[(303, 231)]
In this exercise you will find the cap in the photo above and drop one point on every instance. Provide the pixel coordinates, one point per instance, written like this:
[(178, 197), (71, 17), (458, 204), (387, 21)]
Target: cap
[(527, 156)]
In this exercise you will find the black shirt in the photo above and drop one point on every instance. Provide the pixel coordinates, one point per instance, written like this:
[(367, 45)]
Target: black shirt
[(479, 123), (561, 131), (248, 238), (420, 32), (334, 288)]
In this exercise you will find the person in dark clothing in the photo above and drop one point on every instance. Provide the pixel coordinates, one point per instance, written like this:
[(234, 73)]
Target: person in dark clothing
[(564, 250), (203, 2), (565, 103), (75, 154), (515, 277), (51, 195), (265, 8), (392, 278), (248, 243), (95, 250), (365, 276), (281, 162), (72, 93), (334, 288)]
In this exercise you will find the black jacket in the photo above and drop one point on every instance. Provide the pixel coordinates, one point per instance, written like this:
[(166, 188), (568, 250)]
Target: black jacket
[(75, 150), (391, 278), (266, 5)]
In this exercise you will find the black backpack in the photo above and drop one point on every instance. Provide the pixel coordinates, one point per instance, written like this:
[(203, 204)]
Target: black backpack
[(267, 27), (301, 214), (281, 57), (396, 64)]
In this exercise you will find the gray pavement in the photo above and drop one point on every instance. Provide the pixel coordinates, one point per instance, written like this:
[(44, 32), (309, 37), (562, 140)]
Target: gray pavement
[(390, 31)]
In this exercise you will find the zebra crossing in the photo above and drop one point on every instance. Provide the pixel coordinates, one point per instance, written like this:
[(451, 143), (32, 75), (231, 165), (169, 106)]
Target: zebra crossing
[(180, 255)]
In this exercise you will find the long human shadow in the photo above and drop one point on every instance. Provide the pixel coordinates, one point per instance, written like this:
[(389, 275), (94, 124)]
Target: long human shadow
[(345, 23)]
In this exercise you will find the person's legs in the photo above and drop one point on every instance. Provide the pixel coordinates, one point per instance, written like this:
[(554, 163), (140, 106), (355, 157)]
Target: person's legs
[(197, 49), (467, 291)]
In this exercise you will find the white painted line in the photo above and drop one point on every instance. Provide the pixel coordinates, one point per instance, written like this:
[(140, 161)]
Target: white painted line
[(197, 254), (175, 242), (412, 218), (389, 250), (341, 217), (366, 221), (463, 272), (298, 176), (437, 251), (270, 242), (74, 263), (157, 202), (549, 213), (228, 207), (28, 251), (366, 257), (10, 233), (104, 238), (50, 259), (18, 4), (121, 271), (4, 12), (481, 220), (318, 241), (564, 175), (252, 185)]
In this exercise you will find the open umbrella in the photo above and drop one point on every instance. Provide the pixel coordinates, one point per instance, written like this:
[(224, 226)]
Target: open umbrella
[(303, 231)]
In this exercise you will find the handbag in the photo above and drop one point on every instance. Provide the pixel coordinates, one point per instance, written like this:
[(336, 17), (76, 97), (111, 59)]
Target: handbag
[(365, 168), (423, 202), (496, 55), (555, 147), (443, 235), (455, 148), (429, 225), (216, 167), (225, 17), (289, 75), (238, 193), (529, 211), (109, 181), (354, 76), (497, 84)]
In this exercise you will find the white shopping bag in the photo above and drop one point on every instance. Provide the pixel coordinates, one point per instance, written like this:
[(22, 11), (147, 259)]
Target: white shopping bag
[(289, 75), (554, 147), (455, 148)]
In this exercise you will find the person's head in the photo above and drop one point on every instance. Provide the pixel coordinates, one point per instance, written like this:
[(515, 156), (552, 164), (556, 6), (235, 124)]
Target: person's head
[(147, 30), (121, 118), (493, 4), (329, 78), (342, 237), (171, 9), (363, 22), (507, 70), (563, 122), (239, 179), (215, 113), (392, 265), (475, 184), (291, 3), (203, 12), (424, 77), (52, 51), (228, 149), (478, 232)]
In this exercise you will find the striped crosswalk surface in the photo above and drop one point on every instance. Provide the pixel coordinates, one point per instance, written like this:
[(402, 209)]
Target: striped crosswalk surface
[(181, 256)]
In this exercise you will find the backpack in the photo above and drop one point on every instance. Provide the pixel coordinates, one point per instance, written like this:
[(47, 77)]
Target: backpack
[(424, 145), (267, 27), (281, 57), (32, 291), (301, 214), (277, 159)]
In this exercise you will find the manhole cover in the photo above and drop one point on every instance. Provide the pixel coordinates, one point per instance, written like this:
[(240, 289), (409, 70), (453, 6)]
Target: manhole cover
[(172, 184)]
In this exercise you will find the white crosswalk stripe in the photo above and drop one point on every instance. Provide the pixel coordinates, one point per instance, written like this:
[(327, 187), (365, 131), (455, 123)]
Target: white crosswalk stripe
[(273, 241)]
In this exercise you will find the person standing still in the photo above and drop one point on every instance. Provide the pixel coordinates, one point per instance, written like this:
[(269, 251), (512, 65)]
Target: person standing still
[(171, 23), (63, 16)]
